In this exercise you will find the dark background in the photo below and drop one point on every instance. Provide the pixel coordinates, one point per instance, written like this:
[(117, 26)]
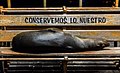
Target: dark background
[(57, 3)]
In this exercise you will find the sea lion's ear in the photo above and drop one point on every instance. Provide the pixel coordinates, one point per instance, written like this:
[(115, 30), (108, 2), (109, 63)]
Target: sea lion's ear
[(50, 30), (53, 29)]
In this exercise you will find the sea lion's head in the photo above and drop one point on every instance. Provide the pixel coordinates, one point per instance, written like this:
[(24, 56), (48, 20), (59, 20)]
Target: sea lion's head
[(102, 43), (90, 44)]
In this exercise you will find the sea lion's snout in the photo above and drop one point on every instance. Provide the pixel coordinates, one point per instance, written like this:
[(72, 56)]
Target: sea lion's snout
[(103, 43)]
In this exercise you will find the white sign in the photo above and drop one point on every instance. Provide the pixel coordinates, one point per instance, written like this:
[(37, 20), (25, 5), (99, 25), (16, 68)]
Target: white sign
[(64, 20)]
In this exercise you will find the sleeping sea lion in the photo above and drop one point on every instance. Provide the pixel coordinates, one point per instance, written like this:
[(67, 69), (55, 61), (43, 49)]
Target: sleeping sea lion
[(53, 40)]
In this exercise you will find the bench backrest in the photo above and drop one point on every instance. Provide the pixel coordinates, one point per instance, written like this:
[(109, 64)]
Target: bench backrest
[(83, 22)]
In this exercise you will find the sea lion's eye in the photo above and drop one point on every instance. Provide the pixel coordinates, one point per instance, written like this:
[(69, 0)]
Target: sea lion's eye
[(100, 43)]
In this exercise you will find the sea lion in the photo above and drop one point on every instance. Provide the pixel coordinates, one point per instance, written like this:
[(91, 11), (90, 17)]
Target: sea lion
[(53, 40)]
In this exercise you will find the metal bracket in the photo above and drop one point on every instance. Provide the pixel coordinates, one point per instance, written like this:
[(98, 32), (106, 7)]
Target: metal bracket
[(1, 13), (65, 64), (64, 9)]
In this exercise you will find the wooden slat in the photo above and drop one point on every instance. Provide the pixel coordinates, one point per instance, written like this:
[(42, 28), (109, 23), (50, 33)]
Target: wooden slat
[(116, 3), (108, 51), (68, 8), (7, 35), (94, 8), (56, 59), (80, 3), (108, 34), (50, 20), (44, 3), (9, 3)]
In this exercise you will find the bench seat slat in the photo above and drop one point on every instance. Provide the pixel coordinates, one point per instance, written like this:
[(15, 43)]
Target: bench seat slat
[(106, 51)]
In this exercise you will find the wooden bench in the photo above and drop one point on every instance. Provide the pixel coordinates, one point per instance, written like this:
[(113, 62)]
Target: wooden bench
[(12, 22), (79, 24), (82, 22)]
